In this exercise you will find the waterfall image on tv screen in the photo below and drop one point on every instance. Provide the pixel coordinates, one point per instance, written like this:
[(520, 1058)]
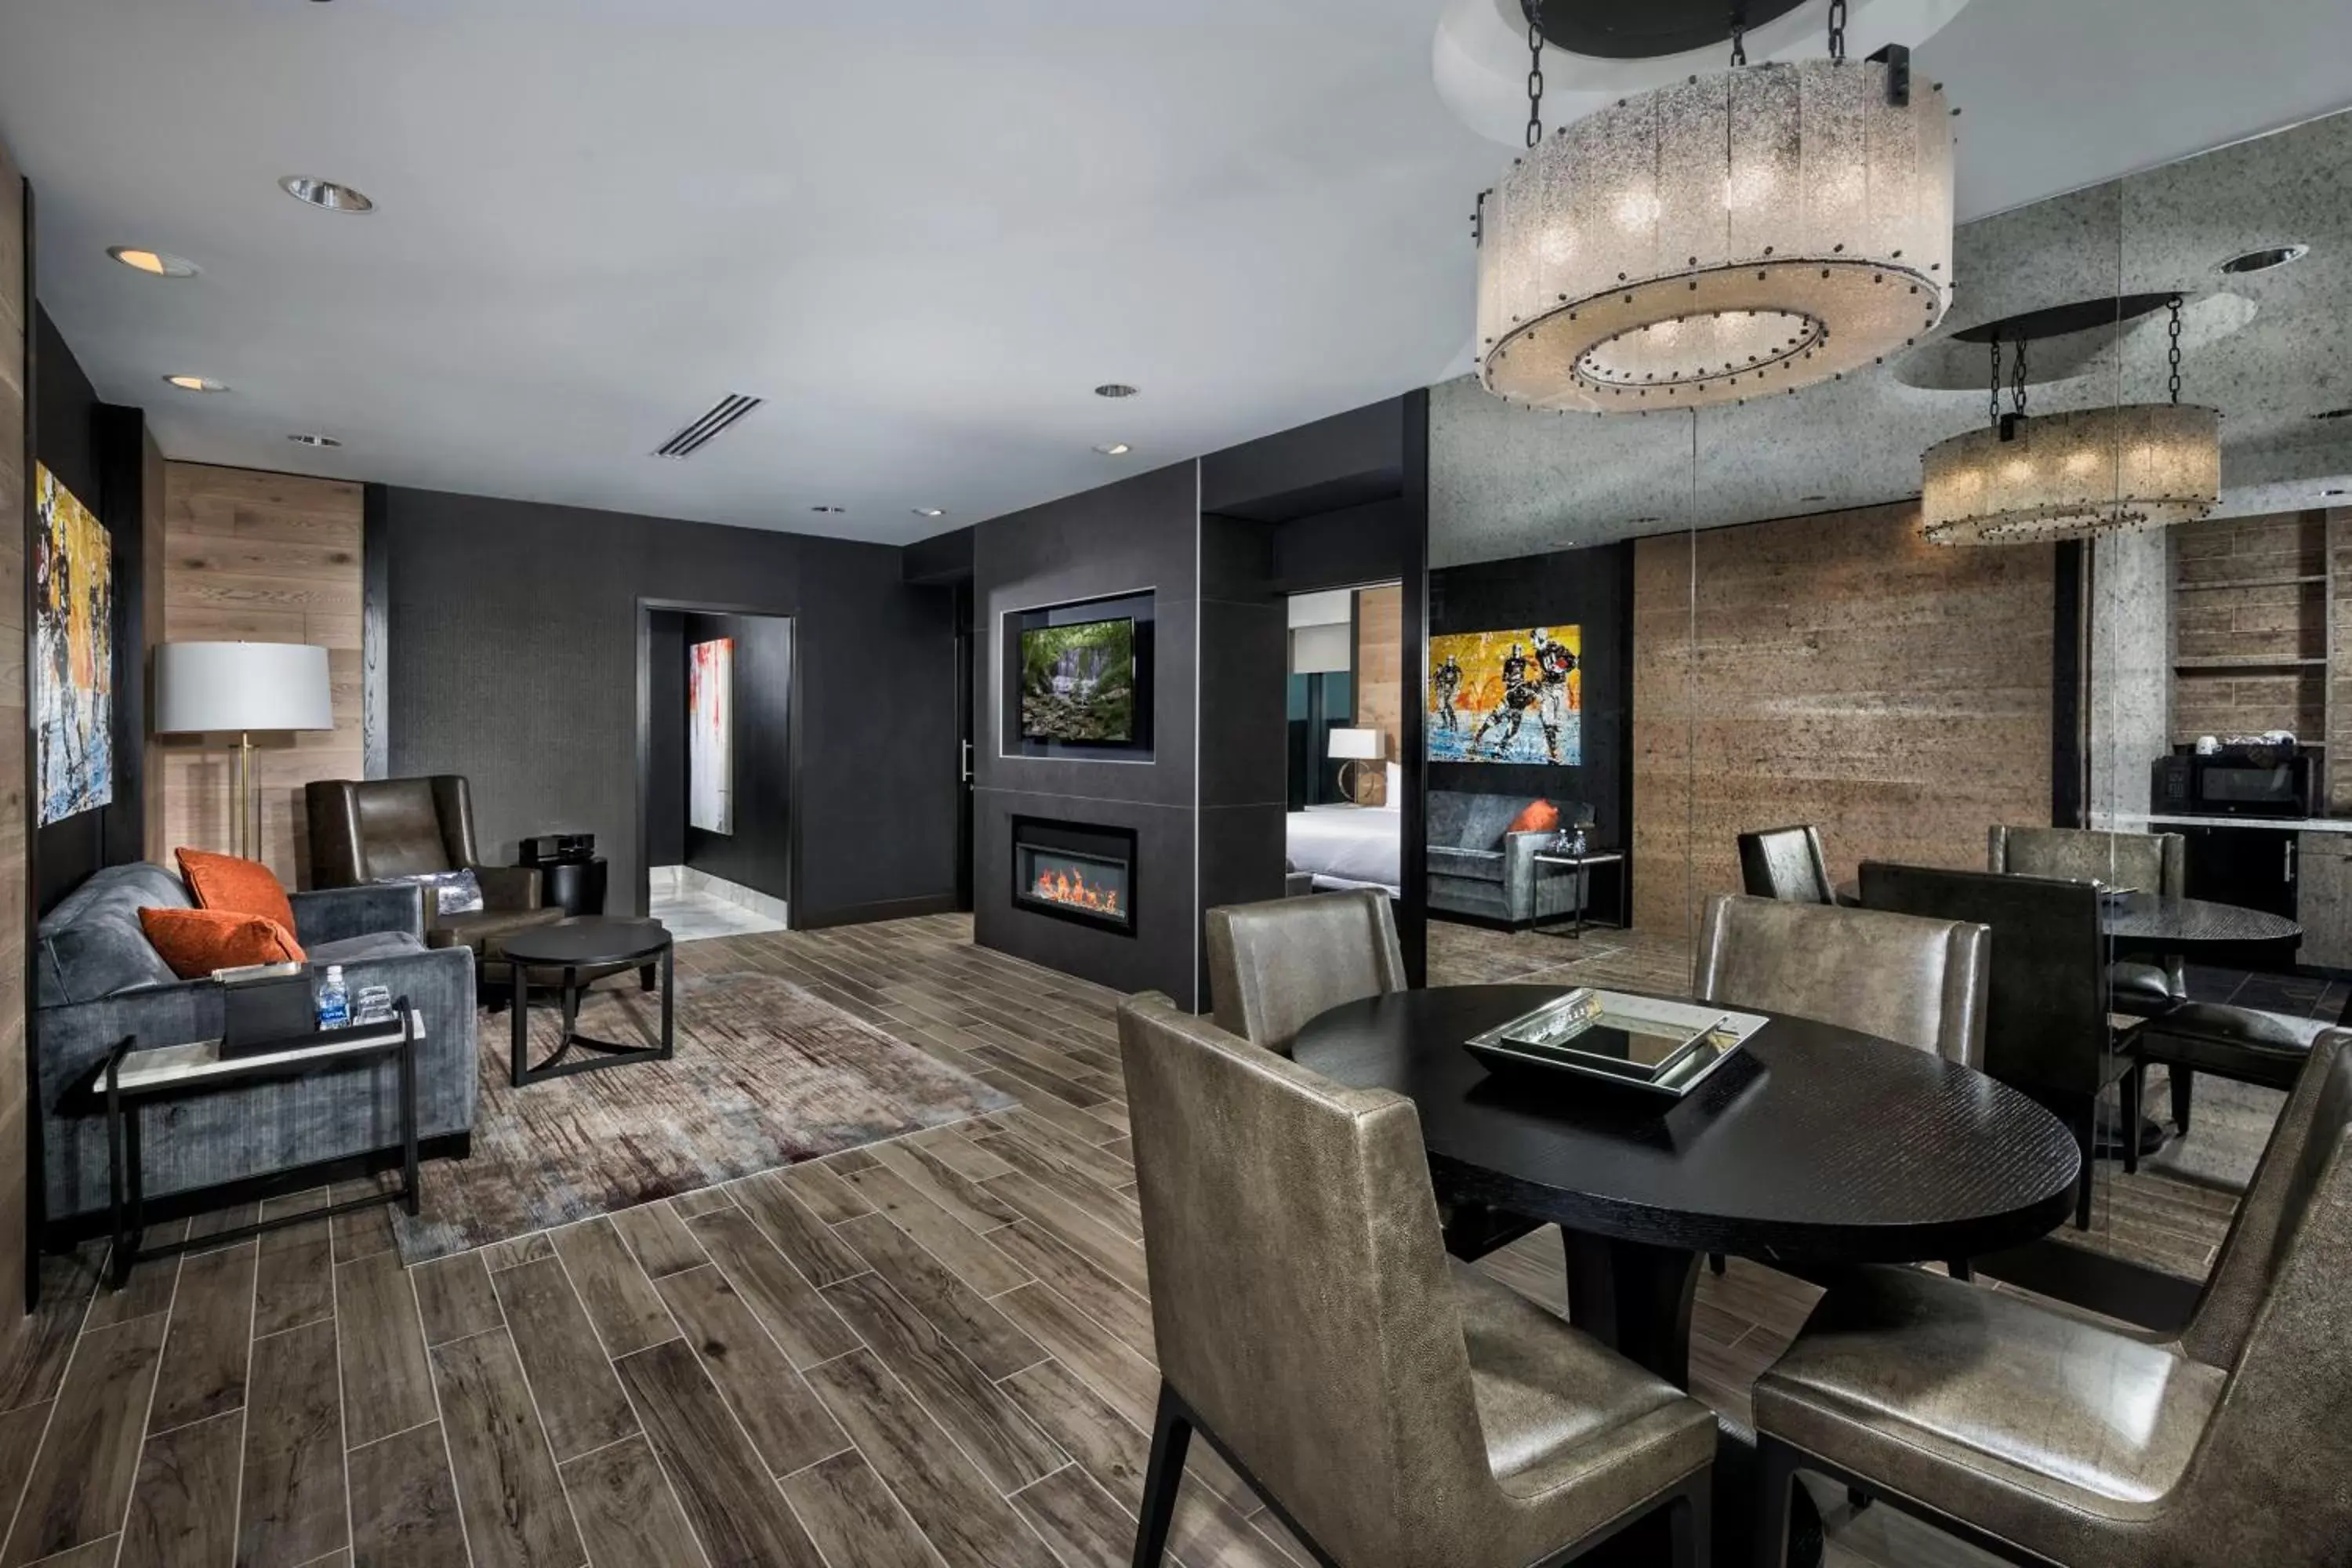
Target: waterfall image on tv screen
[(1077, 683)]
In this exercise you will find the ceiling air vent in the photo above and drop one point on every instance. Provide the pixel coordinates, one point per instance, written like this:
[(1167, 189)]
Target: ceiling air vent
[(698, 434)]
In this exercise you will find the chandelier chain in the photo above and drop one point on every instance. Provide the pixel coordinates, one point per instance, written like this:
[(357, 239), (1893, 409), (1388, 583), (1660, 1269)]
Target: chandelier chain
[(2172, 351), (1535, 72), (1738, 35), (2017, 379), (1837, 29), (1996, 379)]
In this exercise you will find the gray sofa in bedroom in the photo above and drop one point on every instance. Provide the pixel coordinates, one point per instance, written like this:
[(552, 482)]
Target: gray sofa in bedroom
[(97, 979), (1478, 868)]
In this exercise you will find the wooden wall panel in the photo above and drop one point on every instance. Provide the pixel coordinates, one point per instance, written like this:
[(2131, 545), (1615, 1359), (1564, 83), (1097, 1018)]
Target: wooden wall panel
[(264, 558), (15, 804), (2254, 657), (1380, 669), (1842, 671)]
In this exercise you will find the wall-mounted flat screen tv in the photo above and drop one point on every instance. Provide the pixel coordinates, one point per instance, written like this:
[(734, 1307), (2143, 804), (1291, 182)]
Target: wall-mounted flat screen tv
[(1078, 683)]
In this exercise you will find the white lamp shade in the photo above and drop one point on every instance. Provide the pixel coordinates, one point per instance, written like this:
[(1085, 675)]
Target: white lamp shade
[(203, 688), (1356, 745)]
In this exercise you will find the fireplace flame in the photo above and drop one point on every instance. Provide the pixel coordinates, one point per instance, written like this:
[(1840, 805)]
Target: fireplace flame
[(1069, 887)]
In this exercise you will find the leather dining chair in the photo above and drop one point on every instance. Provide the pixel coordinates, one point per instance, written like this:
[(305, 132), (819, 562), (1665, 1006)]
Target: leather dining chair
[(2151, 862), (1921, 982), (2046, 1020), (1394, 1408), (2046, 1437), (1785, 863), (1273, 967)]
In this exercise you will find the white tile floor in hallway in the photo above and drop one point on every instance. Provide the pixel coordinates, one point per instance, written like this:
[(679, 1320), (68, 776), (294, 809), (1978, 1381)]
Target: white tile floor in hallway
[(695, 906)]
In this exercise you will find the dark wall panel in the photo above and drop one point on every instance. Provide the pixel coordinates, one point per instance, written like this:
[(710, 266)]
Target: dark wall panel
[(513, 656), (665, 738), (1587, 588), (96, 449), (759, 853)]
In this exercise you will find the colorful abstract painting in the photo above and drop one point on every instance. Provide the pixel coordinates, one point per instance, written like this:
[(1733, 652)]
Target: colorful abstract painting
[(73, 637), (1506, 697), (710, 735)]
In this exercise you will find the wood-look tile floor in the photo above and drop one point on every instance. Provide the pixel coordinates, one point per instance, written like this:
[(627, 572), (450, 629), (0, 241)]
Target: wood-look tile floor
[(932, 1351)]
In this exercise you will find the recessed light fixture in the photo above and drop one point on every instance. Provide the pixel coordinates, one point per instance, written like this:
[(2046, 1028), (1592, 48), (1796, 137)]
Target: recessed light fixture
[(2333, 492), (155, 263), (195, 383), (325, 194), (311, 438), (831, 510), (1114, 449), (1646, 521), (1115, 389), (2262, 260), (1808, 501), (928, 512)]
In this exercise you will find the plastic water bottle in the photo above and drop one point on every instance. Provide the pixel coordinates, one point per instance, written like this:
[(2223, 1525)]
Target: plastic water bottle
[(334, 1001)]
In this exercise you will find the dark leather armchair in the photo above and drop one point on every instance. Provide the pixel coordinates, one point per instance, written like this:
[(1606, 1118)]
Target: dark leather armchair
[(2151, 862), (1920, 982), (2046, 1015), (365, 830), (2047, 1438), (1785, 863), (1396, 1409), (1274, 966)]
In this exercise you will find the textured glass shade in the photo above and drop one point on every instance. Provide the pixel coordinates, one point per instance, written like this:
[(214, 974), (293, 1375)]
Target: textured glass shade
[(1739, 235), (2074, 476)]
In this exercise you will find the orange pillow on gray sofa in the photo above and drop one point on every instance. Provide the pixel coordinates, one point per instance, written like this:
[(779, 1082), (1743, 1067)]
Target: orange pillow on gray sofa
[(194, 942), (1537, 817), (239, 886)]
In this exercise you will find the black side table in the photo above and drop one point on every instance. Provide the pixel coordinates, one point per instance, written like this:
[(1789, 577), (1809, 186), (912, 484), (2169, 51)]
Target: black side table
[(134, 1078), (581, 951), (575, 887)]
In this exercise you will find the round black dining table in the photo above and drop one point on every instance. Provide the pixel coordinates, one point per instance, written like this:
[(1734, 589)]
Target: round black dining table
[(1811, 1148), (2151, 923)]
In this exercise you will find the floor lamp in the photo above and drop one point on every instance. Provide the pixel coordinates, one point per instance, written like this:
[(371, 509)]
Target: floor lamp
[(241, 688)]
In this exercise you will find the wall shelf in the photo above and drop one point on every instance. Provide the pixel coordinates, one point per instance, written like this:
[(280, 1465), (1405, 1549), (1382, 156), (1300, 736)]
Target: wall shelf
[(2206, 666), (2307, 578)]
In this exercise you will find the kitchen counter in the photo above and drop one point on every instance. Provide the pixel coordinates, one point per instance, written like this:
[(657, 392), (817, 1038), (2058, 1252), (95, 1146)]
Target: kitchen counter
[(2129, 821)]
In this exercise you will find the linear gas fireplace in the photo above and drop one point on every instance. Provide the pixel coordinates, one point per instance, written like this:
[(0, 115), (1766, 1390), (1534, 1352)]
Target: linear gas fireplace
[(1073, 872)]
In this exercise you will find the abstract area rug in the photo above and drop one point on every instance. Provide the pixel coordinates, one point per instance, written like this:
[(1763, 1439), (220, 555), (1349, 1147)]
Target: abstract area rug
[(764, 1075)]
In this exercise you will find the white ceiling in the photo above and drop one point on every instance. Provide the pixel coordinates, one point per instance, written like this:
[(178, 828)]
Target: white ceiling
[(923, 231)]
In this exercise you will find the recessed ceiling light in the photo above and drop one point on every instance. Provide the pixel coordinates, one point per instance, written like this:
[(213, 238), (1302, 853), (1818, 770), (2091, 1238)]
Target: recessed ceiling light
[(2336, 491), (1644, 521), (834, 510), (195, 383), (1114, 449), (2262, 260), (311, 438), (1115, 389), (155, 263), (1808, 501), (928, 512), (325, 193)]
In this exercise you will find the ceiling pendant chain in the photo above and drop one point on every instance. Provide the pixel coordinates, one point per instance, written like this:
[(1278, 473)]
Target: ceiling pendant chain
[(1995, 381), (1837, 29), (1535, 73), (2017, 379), (1738, 35), (2173, 352)]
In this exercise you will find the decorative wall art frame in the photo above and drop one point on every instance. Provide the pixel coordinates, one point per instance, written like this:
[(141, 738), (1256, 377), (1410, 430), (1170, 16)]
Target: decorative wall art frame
[(1079, 680), (710, 735), (73, 698), (1514, 696)]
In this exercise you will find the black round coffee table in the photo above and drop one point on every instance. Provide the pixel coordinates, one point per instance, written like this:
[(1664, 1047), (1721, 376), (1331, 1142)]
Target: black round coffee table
[(1816, 1146), (581, 950)]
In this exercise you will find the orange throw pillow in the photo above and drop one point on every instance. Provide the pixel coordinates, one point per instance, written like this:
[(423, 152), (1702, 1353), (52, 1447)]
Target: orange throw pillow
[(239, 886), (194, 942), (1541, 817)]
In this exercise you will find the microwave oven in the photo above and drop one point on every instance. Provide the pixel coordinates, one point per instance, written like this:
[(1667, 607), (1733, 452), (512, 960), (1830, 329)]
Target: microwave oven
[(2191, 786)]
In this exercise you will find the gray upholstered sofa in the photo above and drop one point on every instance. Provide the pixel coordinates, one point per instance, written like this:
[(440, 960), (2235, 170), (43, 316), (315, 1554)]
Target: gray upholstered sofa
[(97, 979), (1478, 868)]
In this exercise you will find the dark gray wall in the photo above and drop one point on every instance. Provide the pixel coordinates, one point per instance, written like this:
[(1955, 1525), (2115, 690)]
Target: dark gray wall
[(94, 449), (759, 854), (1140, 534), (514, 646), (1589, 588), (665, 738), (1246, 742)]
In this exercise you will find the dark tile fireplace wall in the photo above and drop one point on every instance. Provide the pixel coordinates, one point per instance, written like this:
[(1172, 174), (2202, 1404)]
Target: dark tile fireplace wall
[(1141, 534)]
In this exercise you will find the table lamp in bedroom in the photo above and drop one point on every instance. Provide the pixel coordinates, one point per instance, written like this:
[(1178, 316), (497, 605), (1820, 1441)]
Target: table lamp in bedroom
[(1354, 748)]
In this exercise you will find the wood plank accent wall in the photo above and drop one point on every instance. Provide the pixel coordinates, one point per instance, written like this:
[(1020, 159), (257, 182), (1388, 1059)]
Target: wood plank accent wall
[(15, 804), (2254, 656), (258, 557), (1844, 672), (1380, 669)]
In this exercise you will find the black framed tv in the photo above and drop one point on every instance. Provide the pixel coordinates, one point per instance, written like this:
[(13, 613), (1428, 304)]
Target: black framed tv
[(1081, 683)]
